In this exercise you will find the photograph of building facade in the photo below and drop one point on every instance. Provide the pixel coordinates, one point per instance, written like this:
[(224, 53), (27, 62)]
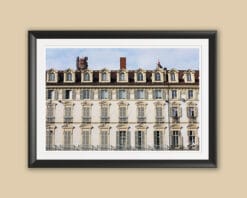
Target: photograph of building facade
[(123, 109)]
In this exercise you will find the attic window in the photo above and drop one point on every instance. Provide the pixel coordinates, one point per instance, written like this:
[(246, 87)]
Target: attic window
[(188, 77), (122, 76), (69, 77), (86, 77), (157, 76), (172, 77), (104, 77), (140, 76), (51, 77)]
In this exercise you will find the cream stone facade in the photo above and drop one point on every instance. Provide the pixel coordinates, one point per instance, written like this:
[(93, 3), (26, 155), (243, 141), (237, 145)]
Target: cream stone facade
[(122, 109)]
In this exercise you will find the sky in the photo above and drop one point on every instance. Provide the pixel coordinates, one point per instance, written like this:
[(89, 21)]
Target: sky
[(146, 58)]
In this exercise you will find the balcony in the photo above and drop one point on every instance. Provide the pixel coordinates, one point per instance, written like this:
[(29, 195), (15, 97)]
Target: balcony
[(192, 119), (86, 120), (123, 119), (141, 119), (105, 119), (68, 120), (50, 119), (175, 119), (159, 120)]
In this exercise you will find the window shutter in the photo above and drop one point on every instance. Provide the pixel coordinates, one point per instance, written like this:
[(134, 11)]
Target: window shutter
[(128, 94), (56, 94), (110, 94), (117, 94), (91, 94), (128, 140), (117, 140), (146, 94), (73, 94), (64, 92), (163, 94)]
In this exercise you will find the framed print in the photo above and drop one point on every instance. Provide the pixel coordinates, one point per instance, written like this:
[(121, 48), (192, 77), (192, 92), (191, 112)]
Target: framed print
[(126, 99)]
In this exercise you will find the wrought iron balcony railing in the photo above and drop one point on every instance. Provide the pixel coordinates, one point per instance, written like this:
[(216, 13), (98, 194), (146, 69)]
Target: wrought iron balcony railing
[(68, 119)]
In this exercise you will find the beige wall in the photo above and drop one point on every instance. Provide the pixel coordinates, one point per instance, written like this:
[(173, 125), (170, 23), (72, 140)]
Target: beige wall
[(16, 17)]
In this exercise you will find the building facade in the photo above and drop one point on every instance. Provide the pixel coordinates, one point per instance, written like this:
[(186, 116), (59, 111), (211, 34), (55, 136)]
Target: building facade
[(122, 109)]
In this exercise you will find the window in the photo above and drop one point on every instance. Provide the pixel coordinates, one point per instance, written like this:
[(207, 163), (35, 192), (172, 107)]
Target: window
[(123, 114), (122, 77), (85, 94), (68, 94), (192, 138), (50, 94), (139, 140), (174, 94), (86, 118), (174, 112), (104, 76), (86, 139), (139, 76), (104, 94), (159, 114), (67, 140), (68, 115), (49, 140), (188, 77), (69, 77), (173, 77), (157, 94), (191, 112), (104, 114), (175, 139), (157, 76), (190, 94), (51, 77), (122, 94), (158, 140), (140, 94), (50, 118), (104, 143), (86, 76), (122, 140), (141, 114)]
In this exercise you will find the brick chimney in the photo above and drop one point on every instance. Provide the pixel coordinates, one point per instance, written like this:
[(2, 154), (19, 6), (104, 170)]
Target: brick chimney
[(122, 63)]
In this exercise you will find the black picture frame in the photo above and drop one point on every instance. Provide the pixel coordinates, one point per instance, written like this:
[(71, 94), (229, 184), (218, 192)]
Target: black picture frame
[(33, 162)]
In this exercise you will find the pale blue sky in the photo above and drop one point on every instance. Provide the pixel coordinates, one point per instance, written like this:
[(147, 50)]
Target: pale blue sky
[(146, 58)]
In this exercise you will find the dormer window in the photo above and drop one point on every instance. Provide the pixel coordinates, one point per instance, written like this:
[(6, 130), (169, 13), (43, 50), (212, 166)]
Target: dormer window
[(86, 77), (122, 77), (188, 77), (104, 76), (139, 76), (157, 76), (68, 77), (51, 77), (173, 77)]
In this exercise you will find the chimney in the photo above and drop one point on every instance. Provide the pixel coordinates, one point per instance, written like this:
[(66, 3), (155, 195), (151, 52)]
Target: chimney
[(122, 63)]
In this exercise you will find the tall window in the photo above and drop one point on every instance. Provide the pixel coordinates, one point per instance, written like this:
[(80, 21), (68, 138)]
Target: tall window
[(69, 77), (157, 76), (159, 114), (122, 94), (174, 94), (49, 140), (50, 94), (139, 141), (67, 140), (104, 76), (158, 140), (51, 77), (85, 94), (141, 114), (104, 114), (86, 139), (122, 77), (104, 94), (139, 76), (157, 94), (86, 76), (189, 77), (68, 94), (86, 118), (174, 112), (175, 138), (173, 76), (192, 138), (191, 112), (50, 117), (190, 94), (140, 94), (68, 114), (122, 140), (104, 140), (123, 114)]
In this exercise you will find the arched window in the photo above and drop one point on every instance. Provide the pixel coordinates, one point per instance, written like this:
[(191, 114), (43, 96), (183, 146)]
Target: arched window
[(188, 77), (86, 77), (51, 77), (104, 77), (122, 77), (69, 77), (157, 76), (139, 76), (172, 77)]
